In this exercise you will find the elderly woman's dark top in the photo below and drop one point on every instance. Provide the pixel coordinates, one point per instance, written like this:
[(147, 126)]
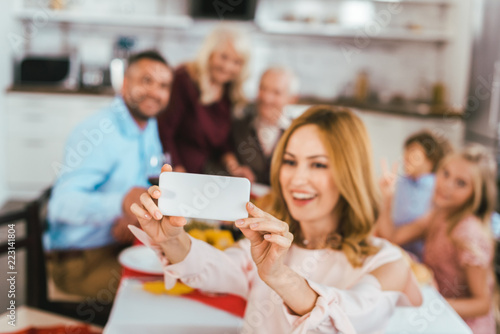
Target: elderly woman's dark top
[(191, 132)]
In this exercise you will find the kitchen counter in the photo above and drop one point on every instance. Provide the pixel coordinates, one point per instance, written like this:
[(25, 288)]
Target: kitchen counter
[(105, 91), (411, 109)]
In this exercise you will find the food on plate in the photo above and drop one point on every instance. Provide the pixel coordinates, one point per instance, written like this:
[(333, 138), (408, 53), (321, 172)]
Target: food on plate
[(158, 288)]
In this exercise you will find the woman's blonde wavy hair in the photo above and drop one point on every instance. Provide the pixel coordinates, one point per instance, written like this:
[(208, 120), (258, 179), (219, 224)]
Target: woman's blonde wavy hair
[(346, 140), (199, 68)]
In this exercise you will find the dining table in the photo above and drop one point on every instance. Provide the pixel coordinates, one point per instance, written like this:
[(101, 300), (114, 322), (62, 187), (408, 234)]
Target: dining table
[(31, 320), (136, 310)]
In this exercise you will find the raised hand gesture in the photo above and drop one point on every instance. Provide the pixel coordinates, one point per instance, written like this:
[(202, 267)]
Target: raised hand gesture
[(388, 180)]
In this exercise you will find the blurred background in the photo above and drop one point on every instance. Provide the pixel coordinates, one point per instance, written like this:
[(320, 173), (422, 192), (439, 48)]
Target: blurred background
[(405, 65)]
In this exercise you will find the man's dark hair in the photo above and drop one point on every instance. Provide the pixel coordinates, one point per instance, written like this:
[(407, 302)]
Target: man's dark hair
[(435, 148), (148, 54)]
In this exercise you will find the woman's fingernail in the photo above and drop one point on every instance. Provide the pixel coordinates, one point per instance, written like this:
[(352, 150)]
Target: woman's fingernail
[(250, 205), (147, 216), (158, 215), (254, 225), (267, 236), (239, 222), (156, 193)]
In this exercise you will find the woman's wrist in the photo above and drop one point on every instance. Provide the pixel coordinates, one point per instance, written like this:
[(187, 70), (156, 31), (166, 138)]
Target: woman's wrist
[(385, 225), (176, 248), (386, 206), (281, 280), (296, 293)]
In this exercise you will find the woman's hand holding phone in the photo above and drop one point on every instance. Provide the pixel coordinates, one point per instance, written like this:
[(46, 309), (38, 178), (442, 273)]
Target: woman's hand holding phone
[(270, 241), (167, 232)]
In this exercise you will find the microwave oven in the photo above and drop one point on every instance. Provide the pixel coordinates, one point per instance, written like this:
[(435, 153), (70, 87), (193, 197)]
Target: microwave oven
[(61, 70)]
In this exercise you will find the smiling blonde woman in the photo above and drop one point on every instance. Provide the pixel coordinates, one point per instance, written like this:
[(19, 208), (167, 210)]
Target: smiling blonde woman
[(223, 43), (195, 128), (350, 166), (309, 266)]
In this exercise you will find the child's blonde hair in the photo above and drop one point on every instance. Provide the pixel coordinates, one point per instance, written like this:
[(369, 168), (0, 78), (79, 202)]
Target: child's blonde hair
[(482, 202)]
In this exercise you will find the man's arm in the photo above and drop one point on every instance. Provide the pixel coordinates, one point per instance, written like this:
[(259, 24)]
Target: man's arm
[(76, 198)]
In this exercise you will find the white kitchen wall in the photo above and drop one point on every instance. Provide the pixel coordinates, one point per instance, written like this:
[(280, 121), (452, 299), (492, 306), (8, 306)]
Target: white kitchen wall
[(327, 67), (4, 81), (324, 71), (394, 68)]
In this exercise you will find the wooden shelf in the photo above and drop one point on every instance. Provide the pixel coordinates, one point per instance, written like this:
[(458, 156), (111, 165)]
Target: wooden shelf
[(334, 30), (144, 21)]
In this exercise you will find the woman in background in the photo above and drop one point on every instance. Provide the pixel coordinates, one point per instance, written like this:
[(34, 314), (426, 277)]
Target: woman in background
[(311, 264), (458, 241), (195, 128)]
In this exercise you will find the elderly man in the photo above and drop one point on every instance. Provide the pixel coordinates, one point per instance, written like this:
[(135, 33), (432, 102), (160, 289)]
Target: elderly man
[(89, 209), (256, 134)]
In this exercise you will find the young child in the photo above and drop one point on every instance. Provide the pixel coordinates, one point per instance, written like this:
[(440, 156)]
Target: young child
[(459, 245), (412, 197)]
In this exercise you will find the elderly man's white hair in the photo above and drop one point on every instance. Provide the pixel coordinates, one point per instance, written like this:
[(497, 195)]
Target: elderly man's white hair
[(293, 80)]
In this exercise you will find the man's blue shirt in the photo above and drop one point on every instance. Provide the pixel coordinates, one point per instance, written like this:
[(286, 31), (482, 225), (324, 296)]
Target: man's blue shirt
[(104, 158), (412, 200)]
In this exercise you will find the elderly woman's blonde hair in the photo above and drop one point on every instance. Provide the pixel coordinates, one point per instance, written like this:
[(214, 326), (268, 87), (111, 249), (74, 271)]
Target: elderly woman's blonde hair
[(199, 68), (346, 140)]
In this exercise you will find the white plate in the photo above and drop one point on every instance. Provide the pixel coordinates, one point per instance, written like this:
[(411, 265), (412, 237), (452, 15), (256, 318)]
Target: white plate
[(259, 189), (141, 259)]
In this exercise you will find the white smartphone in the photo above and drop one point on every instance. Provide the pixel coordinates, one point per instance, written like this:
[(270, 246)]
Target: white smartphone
[(203, 196)]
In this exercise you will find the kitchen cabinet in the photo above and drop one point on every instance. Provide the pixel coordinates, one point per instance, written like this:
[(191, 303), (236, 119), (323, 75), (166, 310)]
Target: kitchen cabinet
[(412, 20), (407, 20), (38, 125), (128, 20), (373, 34), (149, 14), (331, 40)]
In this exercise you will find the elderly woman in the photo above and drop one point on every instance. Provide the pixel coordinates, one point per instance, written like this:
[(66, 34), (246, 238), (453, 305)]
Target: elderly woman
[(195, 128), (310, 265)]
